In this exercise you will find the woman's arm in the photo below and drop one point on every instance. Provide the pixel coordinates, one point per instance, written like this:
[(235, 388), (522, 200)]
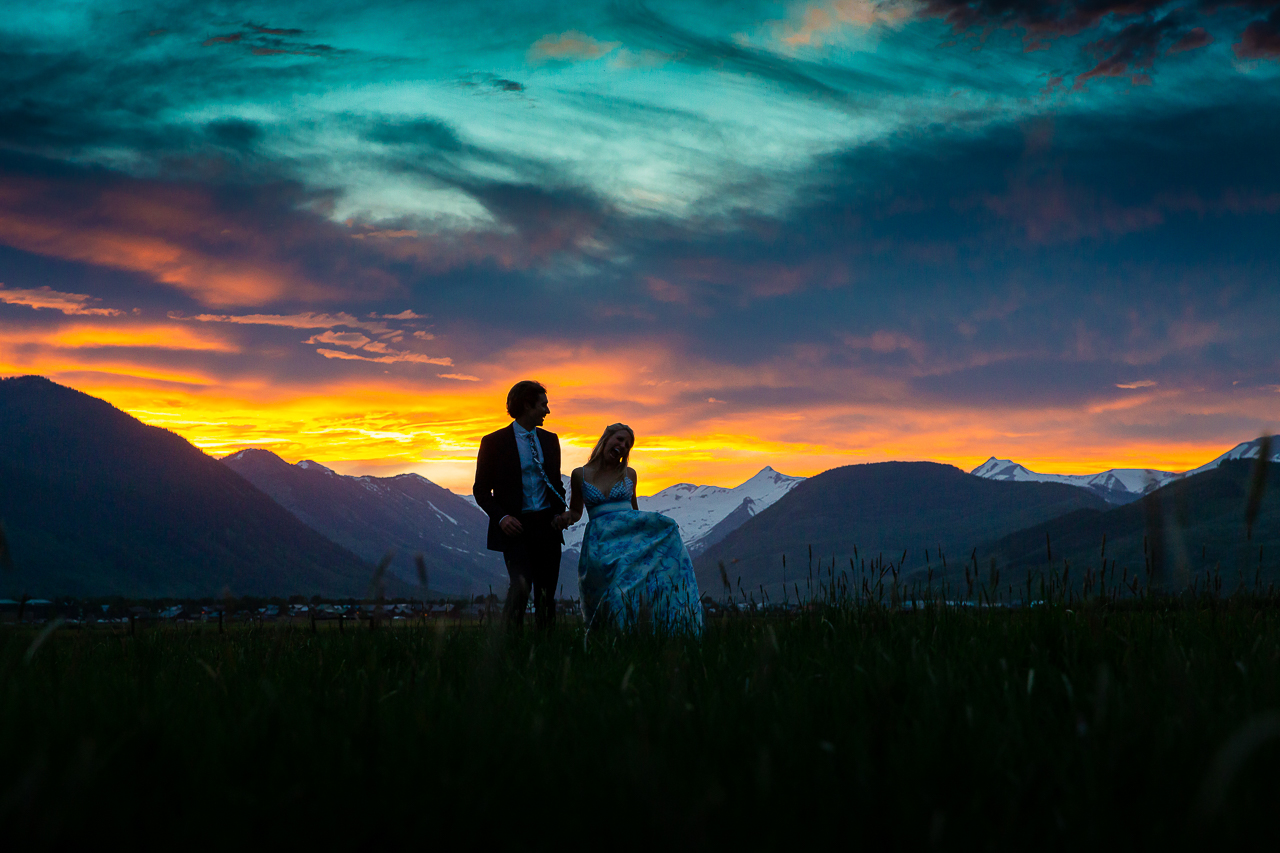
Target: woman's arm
[(575, 497), (635, 490), (572, 515)]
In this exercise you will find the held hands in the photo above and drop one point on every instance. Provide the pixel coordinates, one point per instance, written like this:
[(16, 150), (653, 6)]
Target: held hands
[(512, 526)]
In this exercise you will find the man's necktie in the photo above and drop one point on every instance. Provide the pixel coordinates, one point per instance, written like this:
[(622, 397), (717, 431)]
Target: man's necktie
[(542, 471)]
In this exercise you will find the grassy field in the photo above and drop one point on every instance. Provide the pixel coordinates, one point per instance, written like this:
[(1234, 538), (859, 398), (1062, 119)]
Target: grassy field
[(1129, 723)]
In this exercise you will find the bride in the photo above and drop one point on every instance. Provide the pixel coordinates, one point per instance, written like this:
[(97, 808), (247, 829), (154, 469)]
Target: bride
[(633, 566)]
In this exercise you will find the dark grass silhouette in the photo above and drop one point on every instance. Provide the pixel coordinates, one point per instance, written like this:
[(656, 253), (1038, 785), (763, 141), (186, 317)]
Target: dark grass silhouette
[(1109, 724)]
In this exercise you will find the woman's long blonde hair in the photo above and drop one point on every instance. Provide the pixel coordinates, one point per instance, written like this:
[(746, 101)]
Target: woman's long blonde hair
[(598, 451)]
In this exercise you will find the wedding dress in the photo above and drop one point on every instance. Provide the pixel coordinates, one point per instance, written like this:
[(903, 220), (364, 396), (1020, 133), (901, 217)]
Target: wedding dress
[(634, 569)]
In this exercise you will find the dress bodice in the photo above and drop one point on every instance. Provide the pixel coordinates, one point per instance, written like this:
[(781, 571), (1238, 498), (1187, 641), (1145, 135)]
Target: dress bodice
[(623, 490), (618, 499)]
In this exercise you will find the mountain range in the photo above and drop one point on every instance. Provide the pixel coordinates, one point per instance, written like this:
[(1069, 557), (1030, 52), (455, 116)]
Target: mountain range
[(1194, 525), (1116, 485), (95, 502), (371, 516), (706, 514), (903, 513)]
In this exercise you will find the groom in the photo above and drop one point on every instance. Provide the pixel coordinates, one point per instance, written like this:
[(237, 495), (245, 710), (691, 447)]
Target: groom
[(518, 485)]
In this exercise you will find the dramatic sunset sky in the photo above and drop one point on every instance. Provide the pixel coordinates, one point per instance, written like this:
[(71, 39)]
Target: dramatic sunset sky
[(801, 234)]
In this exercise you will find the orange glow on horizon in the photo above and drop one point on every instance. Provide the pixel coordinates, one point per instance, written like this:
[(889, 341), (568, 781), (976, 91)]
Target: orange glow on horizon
[(383, 423), (384, 431), (109, 333), (157, 337)]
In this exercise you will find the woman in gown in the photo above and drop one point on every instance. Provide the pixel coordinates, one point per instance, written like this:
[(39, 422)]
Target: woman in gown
[(633, 568)]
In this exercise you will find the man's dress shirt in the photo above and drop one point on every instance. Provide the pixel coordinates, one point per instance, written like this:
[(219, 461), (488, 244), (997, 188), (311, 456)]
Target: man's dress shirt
[(533, 479)]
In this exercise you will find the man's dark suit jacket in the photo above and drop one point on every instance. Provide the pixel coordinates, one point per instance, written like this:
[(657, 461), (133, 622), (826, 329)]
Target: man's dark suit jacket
[(498, 489)]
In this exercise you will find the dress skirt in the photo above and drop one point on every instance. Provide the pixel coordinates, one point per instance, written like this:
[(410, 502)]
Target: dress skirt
[(635, 571)]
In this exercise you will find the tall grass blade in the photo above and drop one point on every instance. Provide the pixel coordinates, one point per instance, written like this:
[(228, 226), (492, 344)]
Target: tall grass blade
[(45, 633), (1257, 485), (1230, 758), (6, 557), (421, 563)]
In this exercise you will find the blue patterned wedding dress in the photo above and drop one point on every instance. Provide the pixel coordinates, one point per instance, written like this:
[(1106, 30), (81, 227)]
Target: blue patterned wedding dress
[(634, 568)]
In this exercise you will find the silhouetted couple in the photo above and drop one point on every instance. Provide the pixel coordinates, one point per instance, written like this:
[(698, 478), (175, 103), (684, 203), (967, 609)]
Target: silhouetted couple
[(634, 568)]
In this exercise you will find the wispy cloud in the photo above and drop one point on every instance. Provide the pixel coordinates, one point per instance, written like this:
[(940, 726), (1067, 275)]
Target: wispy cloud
[(47, 297), (393, 358), (260, 40), (403, 315), (821, 20), (355, 340), (570, 45), (302, 320)]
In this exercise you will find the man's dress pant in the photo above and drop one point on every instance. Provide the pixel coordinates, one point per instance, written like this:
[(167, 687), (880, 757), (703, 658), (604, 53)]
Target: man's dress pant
[(533, 565)]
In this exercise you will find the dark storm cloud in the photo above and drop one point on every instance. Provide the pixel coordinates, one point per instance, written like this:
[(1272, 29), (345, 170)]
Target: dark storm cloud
[(274, 31), (1147, 29), (1133, 50), (1001, 264), (939, 196), (129, 87), (1052, 260), (1194, 38), (1261, 39), (60, 102), (1038, 18), (234, 133), (541, 216), (261, 40)]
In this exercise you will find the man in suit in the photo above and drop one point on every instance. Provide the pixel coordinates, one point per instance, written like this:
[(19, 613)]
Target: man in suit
[(518, 486)]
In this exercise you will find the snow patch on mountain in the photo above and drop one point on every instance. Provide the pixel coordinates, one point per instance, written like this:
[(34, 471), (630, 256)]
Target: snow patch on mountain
[(1245, 450), (1117, 485), (699, 509), (438, 511), (705, 513)]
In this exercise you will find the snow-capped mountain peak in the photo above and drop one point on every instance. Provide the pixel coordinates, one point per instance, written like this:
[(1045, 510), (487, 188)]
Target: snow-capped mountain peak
[(1243, 450), (1002, 469), (704, 513), (1117, 485)]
